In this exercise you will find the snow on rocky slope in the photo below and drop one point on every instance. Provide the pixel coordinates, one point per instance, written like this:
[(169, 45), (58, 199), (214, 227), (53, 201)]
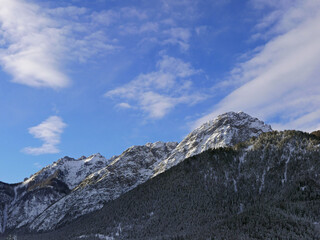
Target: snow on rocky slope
[(70, 188), (73, 170), (35, 194), (226, 130), (133, 167), (139, 163), (6, 197)]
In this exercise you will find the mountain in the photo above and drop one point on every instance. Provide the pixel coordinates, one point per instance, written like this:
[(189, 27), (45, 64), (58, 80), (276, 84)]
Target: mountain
[(70, 188), (316, 133), (265, 188), (139, 163), (226, 130), (25, 201), (125, 172), (6, 197)]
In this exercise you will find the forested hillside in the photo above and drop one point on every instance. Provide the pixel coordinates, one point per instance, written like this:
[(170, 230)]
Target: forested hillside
[(265, 188)]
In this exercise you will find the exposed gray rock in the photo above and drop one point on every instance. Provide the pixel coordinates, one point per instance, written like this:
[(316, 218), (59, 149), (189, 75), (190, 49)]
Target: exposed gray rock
[(31, 197), (133, 167), (70, 188), (226, 130)]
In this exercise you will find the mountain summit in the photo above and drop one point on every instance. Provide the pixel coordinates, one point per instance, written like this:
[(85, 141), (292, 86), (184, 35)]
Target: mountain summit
[(227, 129), (70, 188)]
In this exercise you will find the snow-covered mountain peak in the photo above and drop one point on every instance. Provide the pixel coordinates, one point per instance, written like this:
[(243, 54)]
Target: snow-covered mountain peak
[(226, 129), (72, 187), (51, 183), (94, 158), (73, 171), (156, 144), (140, 154), (123, 173), (233, 119), (65, 159)]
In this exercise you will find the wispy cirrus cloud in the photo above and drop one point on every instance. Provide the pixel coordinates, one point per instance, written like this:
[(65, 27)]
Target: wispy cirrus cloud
[(178, 36), (32, 45), (280, 82), (162, 26), (49, 131), (158, 92), (36, 42)]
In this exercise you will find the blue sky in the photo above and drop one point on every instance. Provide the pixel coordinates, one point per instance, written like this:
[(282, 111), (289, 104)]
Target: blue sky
[(79, 77)]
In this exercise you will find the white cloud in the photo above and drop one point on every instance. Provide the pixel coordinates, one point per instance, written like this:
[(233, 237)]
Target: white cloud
[(183, 9), (158, 92), (124, 105), (281, 81), (149, 27), (36, 42), (49, 131), (178, 36), (91, 45), (123, 18), (32, 50), (132, 12), (138, 28), (72, 11), (105, 17), (157, 105)]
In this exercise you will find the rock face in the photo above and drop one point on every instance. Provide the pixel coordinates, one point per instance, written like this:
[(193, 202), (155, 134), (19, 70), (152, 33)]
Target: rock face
[(6, 198), (265, 188), (316, 133), (226, 130), (70, 187), (123, 173), (34, 195)]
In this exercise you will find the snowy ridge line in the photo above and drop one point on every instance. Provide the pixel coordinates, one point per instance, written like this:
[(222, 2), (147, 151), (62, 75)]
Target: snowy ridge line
[(226, 130), (133, 167), (42, 189), (69, 188)]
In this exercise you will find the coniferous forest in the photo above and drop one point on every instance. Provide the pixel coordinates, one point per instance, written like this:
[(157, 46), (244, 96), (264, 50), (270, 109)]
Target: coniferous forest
[(265, 188)]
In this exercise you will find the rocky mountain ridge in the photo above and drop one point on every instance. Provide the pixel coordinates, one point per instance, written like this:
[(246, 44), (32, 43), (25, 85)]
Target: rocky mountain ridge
[(70, 187), (35, 194), (226, 130), (264, 188), (133, 167)]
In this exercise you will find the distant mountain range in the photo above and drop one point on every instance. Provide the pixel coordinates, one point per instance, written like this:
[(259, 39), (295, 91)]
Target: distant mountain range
[(231, 178)]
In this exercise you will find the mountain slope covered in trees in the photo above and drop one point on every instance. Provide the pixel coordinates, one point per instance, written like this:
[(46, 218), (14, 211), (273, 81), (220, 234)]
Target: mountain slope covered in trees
[(70, 188), (264, 188)]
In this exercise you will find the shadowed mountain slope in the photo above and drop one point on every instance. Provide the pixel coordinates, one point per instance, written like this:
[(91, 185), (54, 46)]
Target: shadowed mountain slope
[(265, 188)]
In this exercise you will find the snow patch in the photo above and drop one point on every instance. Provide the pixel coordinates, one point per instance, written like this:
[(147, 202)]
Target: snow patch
[(3, 223), (123, 173), (100, 236), (241, 206), (262, 181), (235, 185), (285, 171), (249, 148), (225, 130)]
